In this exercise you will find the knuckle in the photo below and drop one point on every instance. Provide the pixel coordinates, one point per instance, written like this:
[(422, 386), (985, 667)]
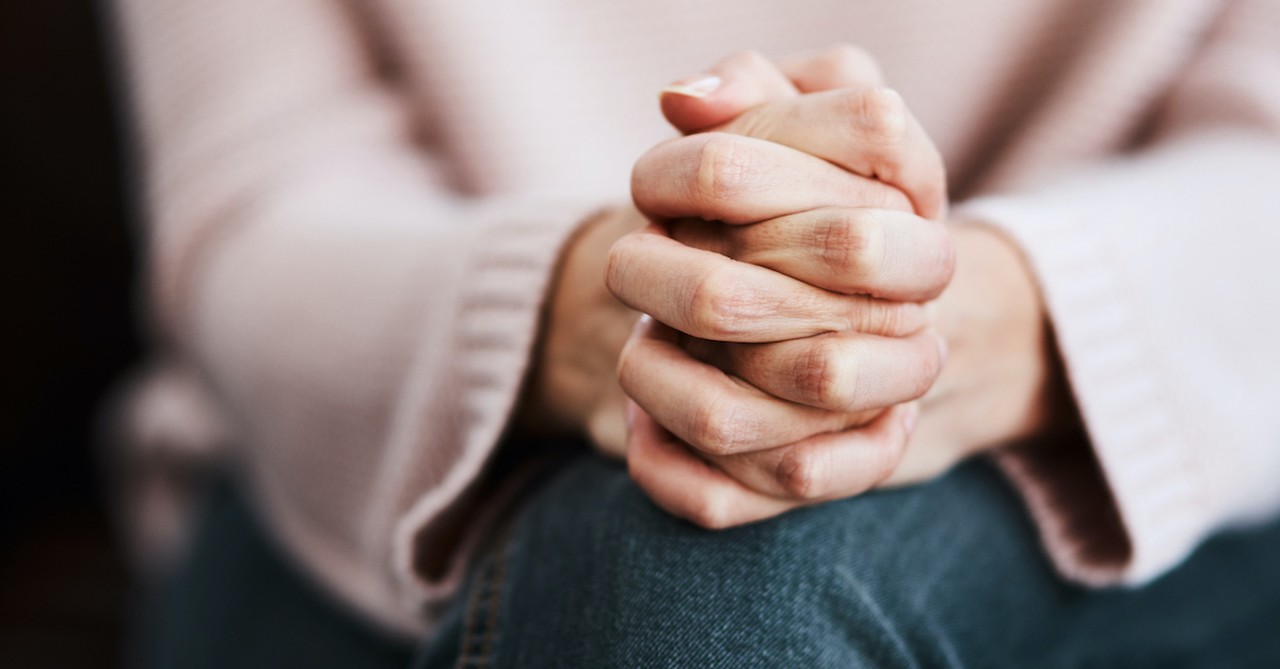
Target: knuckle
[(880, 114), (716, 427), (852, 244), (640, 172), (710, 510), (803, 474), (621, 264), (626, 368), (884, 458), (641, 469), (930, 367), (827, 376), (846, 62), (615, 266), (940, 255), (924, 380), (645, 172), (718, 306), (723, 169)]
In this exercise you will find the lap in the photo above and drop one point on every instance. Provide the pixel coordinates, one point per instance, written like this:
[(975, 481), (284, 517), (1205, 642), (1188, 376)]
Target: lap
[(944, 574)]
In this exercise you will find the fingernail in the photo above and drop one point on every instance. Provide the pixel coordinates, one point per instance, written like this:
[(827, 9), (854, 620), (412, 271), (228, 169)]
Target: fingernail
[(699, 87), (910, 415), (630, 414)]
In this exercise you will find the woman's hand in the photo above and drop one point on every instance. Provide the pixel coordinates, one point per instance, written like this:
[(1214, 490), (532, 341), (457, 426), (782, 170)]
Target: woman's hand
[(999, 383), (1002, 381), (875, 136), (572, 386), (769, 419)]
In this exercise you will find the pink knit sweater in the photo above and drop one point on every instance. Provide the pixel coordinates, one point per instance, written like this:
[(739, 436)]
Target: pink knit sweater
[(355, 206)]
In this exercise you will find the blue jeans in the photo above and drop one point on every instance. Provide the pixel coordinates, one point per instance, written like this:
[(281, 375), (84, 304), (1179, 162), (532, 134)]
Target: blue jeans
[(238, 602), (589, 574), (949, 574)]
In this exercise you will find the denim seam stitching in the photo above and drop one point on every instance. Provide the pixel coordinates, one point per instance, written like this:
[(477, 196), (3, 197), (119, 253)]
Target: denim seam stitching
[(497, 582), (482, 608), (468, 630)]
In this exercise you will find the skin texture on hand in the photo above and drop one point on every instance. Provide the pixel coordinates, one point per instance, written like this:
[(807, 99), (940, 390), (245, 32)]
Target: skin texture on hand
[(567, 390), (996, 387), (785, 273), (878, 139), (810, 323)]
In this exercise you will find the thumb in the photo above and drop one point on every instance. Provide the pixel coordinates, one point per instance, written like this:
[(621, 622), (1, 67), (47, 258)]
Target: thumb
[(736, 84), (747, 79)]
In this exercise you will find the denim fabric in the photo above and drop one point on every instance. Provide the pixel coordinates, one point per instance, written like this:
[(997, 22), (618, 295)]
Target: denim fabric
[(948, 574), (239, 603)]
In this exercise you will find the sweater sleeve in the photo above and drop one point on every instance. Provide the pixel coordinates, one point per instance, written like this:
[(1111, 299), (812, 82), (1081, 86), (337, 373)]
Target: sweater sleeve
[(367, 327), (1159, 274)]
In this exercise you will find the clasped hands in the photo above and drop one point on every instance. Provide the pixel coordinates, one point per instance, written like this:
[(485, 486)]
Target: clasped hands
[(789, 264)]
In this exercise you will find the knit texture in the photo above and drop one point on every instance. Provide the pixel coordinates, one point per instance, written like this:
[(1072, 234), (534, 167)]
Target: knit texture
[(356, 207)]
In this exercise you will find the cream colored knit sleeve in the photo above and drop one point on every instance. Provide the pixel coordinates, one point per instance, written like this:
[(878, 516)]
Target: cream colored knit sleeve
[(1159, 271), (367, 328)]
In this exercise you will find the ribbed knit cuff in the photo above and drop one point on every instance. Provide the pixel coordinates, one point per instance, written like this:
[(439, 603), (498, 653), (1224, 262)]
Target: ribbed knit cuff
[(1127, 509), (507, 280)]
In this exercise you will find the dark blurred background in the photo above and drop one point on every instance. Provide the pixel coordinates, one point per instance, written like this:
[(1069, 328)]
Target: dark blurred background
[(67, 265)]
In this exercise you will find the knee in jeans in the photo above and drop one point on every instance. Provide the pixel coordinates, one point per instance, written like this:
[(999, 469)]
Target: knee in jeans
[(837, 584)]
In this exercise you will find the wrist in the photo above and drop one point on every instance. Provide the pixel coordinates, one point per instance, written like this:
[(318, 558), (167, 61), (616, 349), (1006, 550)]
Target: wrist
[(1003, 361), (582, 331)]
